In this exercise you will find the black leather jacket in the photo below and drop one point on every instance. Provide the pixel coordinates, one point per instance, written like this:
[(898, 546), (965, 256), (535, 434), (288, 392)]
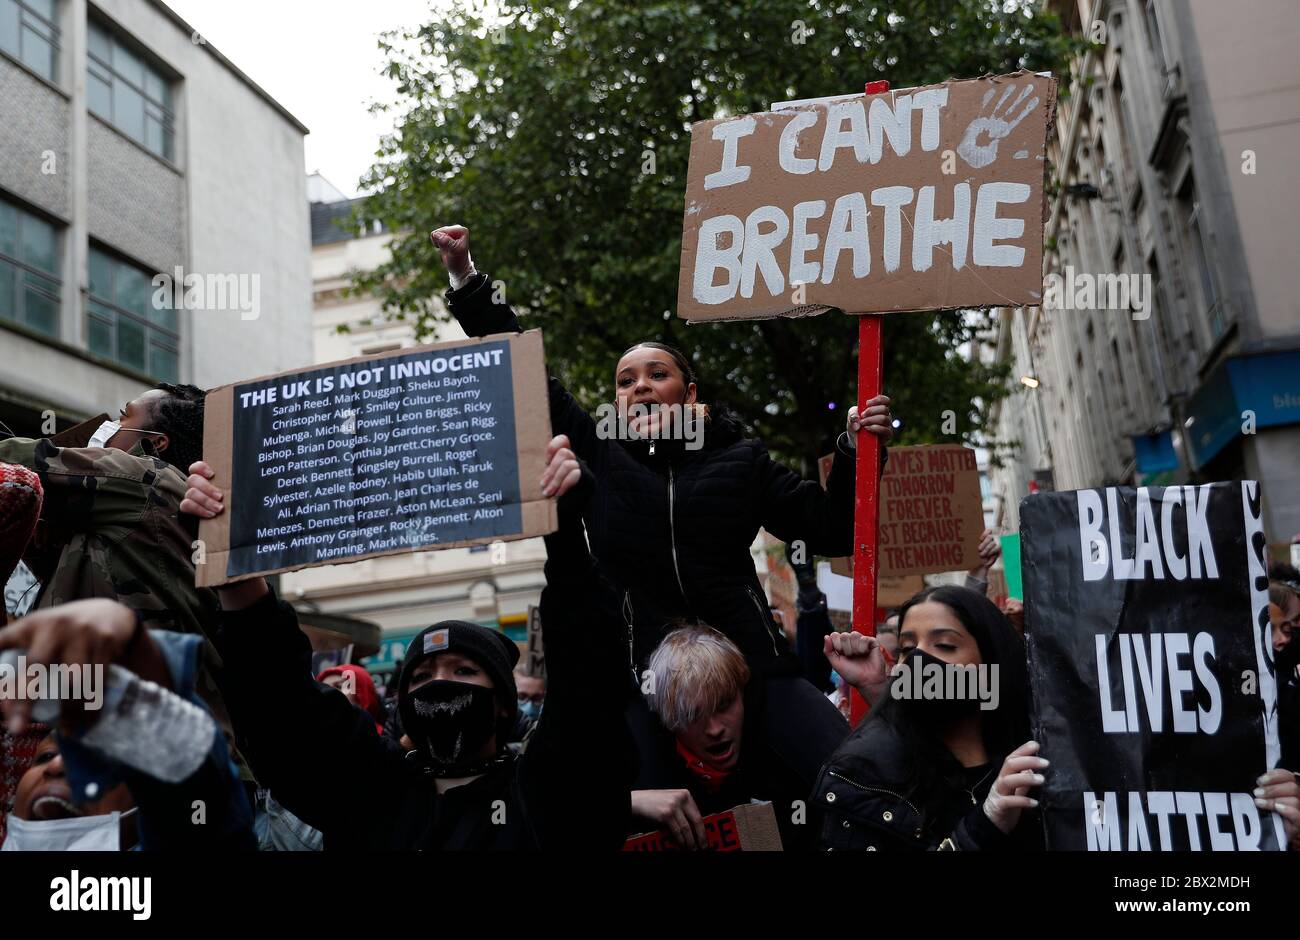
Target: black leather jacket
[(864, 802)]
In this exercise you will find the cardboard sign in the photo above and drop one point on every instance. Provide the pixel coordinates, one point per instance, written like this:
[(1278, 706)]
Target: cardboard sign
[(748, 828), (535, 655), (895, 590), (918, 199), (931, 511), (328, 659), (1151, 667), (417, 449), (79, 435), (931, 516)]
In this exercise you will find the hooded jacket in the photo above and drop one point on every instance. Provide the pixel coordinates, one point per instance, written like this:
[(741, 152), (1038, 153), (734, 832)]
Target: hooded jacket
[(673, 528), (367, 696), (326, 762)]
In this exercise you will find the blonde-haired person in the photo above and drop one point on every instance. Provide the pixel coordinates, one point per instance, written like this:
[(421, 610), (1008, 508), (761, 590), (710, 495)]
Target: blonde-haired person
[(711, 750), (673, 515)]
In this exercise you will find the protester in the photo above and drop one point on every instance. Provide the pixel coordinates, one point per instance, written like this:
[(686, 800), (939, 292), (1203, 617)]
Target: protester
[(114, 507), (279, 830), (1283, 614), (712, 752), (531, 694), (977, 579), (673, 525), (21, 495), (921, 773), (358, 688), (1287, 574), (20, 508), (17, 751), (813, 623), (888, 635), (111, 524), (459, 787), (1278, 790), (841, 696), (126, 736), (1014, 610), (47, 819), (1284, 620)]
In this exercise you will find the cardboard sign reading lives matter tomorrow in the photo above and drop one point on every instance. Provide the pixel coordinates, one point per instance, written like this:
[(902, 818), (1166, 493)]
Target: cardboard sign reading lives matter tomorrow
[(917, 199), (931, 513), (418, 449), (748, 828)]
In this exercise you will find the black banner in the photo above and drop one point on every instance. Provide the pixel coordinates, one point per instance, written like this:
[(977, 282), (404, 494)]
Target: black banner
[(1151, 666), (357, 458)]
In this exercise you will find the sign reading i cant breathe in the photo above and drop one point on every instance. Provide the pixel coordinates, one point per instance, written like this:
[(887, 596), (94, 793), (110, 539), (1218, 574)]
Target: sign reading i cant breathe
[(919, 199), (418, 449)]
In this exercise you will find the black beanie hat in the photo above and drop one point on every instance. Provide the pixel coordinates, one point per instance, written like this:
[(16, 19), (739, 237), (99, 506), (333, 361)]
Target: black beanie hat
[(491, 649)]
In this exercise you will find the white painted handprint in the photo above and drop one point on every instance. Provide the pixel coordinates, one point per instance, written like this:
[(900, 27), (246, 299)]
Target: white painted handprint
[(996, 125)]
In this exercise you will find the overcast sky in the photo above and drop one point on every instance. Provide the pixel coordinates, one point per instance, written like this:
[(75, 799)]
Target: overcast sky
[(319, 59)]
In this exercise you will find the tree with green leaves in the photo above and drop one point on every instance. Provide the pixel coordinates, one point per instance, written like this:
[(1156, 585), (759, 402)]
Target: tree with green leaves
[(560, 132)]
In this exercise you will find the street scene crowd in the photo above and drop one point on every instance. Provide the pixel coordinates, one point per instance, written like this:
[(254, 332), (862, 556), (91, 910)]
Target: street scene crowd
[(671, 693)]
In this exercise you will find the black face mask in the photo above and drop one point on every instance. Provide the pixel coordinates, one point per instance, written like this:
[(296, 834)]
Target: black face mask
[(450, 721), (932, 712)]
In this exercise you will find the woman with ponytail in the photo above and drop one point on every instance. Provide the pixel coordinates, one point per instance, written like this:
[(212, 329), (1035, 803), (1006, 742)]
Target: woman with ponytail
[(681, 493)]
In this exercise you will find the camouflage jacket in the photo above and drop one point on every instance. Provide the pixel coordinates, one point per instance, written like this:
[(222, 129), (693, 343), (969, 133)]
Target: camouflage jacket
[(111, 527), (114, 518)]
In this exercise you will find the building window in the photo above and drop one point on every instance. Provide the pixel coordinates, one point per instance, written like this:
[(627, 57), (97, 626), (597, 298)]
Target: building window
[(1153, 35), (1190, 210), (29, 270), (129, 93), (29, 34), (124, 325)]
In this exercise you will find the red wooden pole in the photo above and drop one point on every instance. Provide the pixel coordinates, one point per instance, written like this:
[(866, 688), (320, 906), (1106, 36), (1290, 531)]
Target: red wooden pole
[(866, 513)]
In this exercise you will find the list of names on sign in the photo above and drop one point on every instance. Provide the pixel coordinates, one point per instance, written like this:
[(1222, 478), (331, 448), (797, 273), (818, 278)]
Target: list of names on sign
[(359, 458)]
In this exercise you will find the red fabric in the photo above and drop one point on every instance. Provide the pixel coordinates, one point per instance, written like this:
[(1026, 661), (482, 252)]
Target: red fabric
[(20, 507), (367, 694), (709, 776), (16, 755)]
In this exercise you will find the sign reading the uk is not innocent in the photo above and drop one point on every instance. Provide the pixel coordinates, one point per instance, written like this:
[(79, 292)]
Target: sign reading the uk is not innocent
[(418, 449)]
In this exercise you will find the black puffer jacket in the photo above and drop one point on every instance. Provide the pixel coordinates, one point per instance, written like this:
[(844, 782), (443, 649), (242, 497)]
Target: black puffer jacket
[(863, 802), (674, 528)]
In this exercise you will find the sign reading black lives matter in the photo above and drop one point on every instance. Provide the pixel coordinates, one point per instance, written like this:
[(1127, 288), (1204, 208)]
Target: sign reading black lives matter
[(418, 449), (1152, 667)]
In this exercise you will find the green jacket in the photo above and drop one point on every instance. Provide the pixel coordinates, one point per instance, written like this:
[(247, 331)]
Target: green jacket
[(114, 518), (111, 527)]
